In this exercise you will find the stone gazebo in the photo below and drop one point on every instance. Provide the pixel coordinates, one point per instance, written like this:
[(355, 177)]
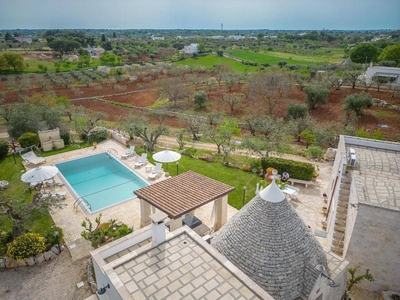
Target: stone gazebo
[(181, 195)]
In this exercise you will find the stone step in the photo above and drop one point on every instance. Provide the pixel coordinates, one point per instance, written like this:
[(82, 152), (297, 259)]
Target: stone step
[(342, 210), (345, 180), (341, 217), (338, 236), (344, 192), (337, 243), (337, 250), (340, 228)]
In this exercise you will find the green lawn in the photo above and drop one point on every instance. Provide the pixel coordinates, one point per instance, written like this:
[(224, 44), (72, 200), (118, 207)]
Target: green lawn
[(231, 176), (209, 61), (292, 59), (39, 220)]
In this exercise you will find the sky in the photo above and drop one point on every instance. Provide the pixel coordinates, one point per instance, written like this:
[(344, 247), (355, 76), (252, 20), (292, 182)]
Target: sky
[(200, 14)]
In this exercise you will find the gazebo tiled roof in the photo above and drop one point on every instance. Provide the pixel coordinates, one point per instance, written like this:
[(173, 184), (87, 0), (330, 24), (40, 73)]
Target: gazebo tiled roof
[(183, 193), (269, 242)]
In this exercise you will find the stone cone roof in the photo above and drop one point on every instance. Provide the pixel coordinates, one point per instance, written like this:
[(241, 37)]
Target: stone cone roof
[(270, 243)]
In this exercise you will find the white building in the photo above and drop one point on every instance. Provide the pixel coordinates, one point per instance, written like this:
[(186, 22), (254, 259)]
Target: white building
[(159, 38), (24, 39), (364, 209), (391, 74), (188, 50), (236, 37)]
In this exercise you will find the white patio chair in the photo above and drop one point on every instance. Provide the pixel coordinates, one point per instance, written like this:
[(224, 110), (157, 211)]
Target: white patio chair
[(156, 171), (141, 161), (129, 152)]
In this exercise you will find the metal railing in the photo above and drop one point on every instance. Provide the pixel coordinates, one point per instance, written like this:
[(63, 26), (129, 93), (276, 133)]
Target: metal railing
[(79, 201)]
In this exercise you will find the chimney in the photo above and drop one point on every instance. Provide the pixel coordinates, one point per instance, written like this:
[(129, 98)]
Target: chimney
[(158, 226)]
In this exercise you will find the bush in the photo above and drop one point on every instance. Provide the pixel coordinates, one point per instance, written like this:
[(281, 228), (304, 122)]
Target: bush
[(98, 134), (122, 231), (55, 239), (26, 245), (315, 151), (3, 149), (296, 169), (66, 137), (28, 139)]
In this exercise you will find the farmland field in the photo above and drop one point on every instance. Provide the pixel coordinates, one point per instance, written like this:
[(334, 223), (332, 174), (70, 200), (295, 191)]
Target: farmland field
[(292, 59), (211, 60)]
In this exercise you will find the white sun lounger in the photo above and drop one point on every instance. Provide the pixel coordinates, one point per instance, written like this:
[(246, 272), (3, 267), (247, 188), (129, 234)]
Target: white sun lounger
[(129, 152), (156, 171), (32, 158), (142, 161), (57, 194)]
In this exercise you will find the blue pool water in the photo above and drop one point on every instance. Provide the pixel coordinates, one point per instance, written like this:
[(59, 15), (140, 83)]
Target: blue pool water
[(101, 180)]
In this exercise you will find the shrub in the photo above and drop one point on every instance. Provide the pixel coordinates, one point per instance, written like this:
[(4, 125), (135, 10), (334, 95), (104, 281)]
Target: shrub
[(3, 149), (26, 245), (66, 137), (98, 134), (315, 152), (122, 231), (55, 239), (296, 169), (28, 139)]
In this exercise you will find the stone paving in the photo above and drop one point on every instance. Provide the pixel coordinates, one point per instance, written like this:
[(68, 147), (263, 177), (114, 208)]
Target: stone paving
[(177, 269), (378, 180)]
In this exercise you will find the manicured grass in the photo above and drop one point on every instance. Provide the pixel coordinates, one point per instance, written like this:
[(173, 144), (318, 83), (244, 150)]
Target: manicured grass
[(39, 220), (68, 148), (292, 59), (209, 61), (231, 176)]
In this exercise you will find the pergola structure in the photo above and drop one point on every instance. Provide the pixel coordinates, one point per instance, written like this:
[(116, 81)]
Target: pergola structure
[(182, 194)]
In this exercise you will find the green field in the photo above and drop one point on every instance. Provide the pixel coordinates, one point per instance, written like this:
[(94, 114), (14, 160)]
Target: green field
[(292, 59), (209, 61)]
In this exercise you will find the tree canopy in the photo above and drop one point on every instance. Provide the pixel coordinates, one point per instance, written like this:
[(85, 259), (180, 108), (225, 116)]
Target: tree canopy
[(316, 95), (364, 53), (357, 101), (391, 53)]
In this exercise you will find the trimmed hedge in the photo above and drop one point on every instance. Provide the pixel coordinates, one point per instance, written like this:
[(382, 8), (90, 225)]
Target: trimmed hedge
[(3, 149), (296, 169)]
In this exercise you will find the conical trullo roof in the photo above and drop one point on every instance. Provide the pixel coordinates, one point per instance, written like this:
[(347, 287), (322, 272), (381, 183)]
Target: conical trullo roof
[(269, 242)]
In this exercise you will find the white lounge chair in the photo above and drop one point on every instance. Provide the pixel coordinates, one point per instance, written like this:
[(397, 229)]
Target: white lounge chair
[(129, 152), (156, 171), (56, 194), (141, 161), (32, 158)]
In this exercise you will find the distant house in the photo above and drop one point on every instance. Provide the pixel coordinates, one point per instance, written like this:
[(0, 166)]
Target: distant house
[(346, 61), (95, 52), (236, 37), (188, 50), (160, 38), (217, 37), (391, 74), (24, 39)]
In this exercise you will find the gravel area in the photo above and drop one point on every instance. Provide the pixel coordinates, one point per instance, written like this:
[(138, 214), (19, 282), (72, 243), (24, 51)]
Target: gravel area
[(54, 279)]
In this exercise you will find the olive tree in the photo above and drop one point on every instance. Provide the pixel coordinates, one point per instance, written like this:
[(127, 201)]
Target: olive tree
[(266, 89), (316, 95), (356, 102)]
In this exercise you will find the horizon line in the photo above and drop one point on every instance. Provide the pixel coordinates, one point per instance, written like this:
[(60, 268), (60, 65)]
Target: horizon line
[(301, 29)]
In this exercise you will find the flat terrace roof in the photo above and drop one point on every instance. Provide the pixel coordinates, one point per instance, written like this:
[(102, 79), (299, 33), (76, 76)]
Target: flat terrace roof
[(378, 176), (184, 266)]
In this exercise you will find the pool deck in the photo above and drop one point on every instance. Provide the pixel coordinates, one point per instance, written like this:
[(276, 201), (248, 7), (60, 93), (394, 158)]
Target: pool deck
[(308, 205)]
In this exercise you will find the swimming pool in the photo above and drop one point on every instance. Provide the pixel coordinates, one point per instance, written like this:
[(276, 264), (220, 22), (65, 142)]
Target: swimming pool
[(101, 180)]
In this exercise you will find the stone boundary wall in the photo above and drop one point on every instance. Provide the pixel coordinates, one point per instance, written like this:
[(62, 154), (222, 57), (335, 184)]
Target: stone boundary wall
[(9, 263)]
